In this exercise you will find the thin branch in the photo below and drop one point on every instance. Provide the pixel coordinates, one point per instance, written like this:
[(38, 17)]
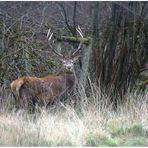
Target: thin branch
[(66, 17), (74, 15)]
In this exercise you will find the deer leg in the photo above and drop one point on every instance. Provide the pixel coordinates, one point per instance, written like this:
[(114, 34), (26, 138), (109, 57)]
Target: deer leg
[(15, 99), (26, 99)]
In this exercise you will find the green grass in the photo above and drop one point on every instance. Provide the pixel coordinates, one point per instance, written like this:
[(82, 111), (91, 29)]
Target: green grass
[(93, 140), (130, 136), (136, 141), (132, 141)]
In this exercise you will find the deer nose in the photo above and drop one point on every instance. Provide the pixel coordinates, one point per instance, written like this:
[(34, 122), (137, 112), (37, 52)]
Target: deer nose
[(69, 67)]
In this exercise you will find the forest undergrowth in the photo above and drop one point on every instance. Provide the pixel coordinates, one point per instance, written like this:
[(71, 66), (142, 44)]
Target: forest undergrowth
[(90, 122)]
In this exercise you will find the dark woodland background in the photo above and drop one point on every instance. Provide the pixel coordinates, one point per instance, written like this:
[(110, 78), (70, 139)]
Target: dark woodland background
[(114, 57)]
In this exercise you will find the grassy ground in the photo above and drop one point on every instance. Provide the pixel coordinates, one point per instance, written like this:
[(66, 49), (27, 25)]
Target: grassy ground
[(92, 123)]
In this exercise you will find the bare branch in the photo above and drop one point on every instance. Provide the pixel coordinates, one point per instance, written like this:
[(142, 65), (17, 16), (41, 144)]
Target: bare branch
[(66, 17)]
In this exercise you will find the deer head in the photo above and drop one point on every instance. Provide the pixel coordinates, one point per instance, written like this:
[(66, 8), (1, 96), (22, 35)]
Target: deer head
[(68, 61)]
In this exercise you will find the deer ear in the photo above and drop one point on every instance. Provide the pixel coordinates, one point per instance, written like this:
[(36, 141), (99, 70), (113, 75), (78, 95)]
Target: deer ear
[(61, 59)]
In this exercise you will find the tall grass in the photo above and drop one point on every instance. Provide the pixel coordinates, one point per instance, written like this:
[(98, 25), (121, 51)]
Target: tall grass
[(92, 122)]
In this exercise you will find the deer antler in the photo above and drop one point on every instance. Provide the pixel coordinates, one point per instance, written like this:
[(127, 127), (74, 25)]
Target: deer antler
[(49, 36), (80, 45)]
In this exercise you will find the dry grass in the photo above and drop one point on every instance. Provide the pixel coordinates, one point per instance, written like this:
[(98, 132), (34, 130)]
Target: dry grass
[(92, 123)]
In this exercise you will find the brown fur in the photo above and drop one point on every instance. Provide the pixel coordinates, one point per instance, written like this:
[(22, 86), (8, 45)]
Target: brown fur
[(30, 90)]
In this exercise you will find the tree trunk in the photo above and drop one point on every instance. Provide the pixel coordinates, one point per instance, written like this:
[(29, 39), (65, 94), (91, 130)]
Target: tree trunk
[(96, 58)]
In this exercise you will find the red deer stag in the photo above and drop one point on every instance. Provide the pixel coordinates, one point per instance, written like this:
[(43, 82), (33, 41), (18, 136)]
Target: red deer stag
[(32, 90)]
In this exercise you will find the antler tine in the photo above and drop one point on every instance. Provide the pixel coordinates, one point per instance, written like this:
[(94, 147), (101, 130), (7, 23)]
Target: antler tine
[(49, 36), (79, 31), (80, 45), (48, 33), (77, 51), (57, 53)]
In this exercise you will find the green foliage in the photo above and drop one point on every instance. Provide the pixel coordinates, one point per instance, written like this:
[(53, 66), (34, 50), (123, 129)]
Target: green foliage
[(137, 130), (136, 141), (110, 142), (92, 140), (118, 131)]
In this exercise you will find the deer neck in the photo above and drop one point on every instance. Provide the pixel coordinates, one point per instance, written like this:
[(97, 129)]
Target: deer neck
[(68, 76), (63, 72)]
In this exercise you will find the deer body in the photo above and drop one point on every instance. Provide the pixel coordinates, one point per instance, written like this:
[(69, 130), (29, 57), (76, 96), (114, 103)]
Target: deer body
[(32, 90), (41, 90)]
